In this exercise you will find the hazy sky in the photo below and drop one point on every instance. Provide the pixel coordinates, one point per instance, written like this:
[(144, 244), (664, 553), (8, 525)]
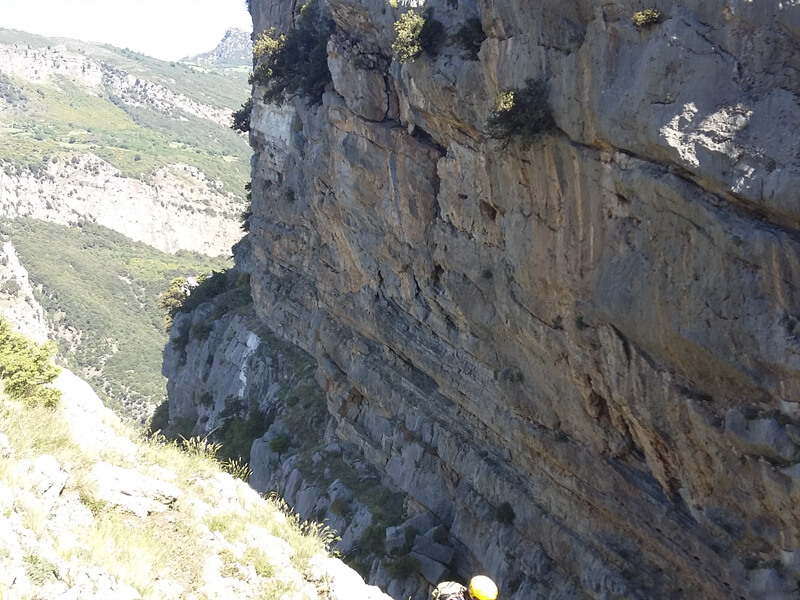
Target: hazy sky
[(166, 29)]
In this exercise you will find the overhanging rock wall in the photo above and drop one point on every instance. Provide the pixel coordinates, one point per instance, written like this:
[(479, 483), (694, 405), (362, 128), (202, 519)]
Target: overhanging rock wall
[(601, 331)]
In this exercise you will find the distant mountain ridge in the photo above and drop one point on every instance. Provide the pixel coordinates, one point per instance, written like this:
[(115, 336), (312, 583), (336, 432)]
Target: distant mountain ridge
[(234, 50), (140, 145)]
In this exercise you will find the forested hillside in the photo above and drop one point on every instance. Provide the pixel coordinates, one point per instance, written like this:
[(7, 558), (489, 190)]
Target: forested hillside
[(136, 112), (100, 292)]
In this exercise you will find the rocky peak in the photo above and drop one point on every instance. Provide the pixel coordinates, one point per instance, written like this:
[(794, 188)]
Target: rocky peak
[(235, 49)]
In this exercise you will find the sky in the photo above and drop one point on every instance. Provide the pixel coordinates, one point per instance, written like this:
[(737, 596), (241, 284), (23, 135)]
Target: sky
[(165, 29)]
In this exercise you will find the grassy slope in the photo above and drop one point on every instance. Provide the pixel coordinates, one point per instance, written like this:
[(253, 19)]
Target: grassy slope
[(138, 552), (64, 118), (106, 286)]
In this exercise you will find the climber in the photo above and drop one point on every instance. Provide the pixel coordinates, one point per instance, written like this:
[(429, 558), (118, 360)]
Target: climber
[(480, 588)]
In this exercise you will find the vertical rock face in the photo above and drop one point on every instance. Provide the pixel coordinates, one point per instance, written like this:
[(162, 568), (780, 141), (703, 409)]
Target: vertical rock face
[(599, 333)]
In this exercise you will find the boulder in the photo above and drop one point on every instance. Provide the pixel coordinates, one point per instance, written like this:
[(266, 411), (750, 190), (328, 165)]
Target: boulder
[(430, 569), (132, 490), (425, 546)]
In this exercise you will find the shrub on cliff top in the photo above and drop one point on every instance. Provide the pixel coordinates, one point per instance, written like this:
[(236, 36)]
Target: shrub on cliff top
[(416, 34), (296, 62), (521, 115), (26, 368), (181, 297)]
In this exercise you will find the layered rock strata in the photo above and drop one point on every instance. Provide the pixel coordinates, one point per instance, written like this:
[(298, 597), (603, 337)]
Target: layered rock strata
[(164, 207), (581, 357)]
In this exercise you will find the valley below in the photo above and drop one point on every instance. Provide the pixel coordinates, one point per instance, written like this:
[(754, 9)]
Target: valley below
[(118, 172)]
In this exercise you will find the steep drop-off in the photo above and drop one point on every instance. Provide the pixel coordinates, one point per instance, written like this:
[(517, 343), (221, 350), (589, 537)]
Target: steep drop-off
[(601, 331), (233, 382)]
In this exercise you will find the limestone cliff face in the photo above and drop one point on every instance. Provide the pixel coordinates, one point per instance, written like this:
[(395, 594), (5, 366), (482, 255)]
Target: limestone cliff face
[(602, 330), (166, 213), (240, 386)]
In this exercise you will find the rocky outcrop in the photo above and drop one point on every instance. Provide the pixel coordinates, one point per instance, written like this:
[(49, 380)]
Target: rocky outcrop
[(17, 302), (234, 50), (46, 65), (581, 357), (67, 169), (240, 386)]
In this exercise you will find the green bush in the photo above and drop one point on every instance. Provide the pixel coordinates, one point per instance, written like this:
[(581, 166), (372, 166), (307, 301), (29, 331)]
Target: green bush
[(244, 217), (234, 407), (432, 35), (268, 42), (280, 443), (10, 287), (172, 299), (230, 284), (201, 331), (647, 17), (160, 419), (296, 62), (522, 115), (39, 569), (241, 117), (373, 540), (26, 368), (471, 36), (237, 434), (416, 34)]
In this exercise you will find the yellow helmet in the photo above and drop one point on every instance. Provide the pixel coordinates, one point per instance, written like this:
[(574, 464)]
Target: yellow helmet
[(482, 588)]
